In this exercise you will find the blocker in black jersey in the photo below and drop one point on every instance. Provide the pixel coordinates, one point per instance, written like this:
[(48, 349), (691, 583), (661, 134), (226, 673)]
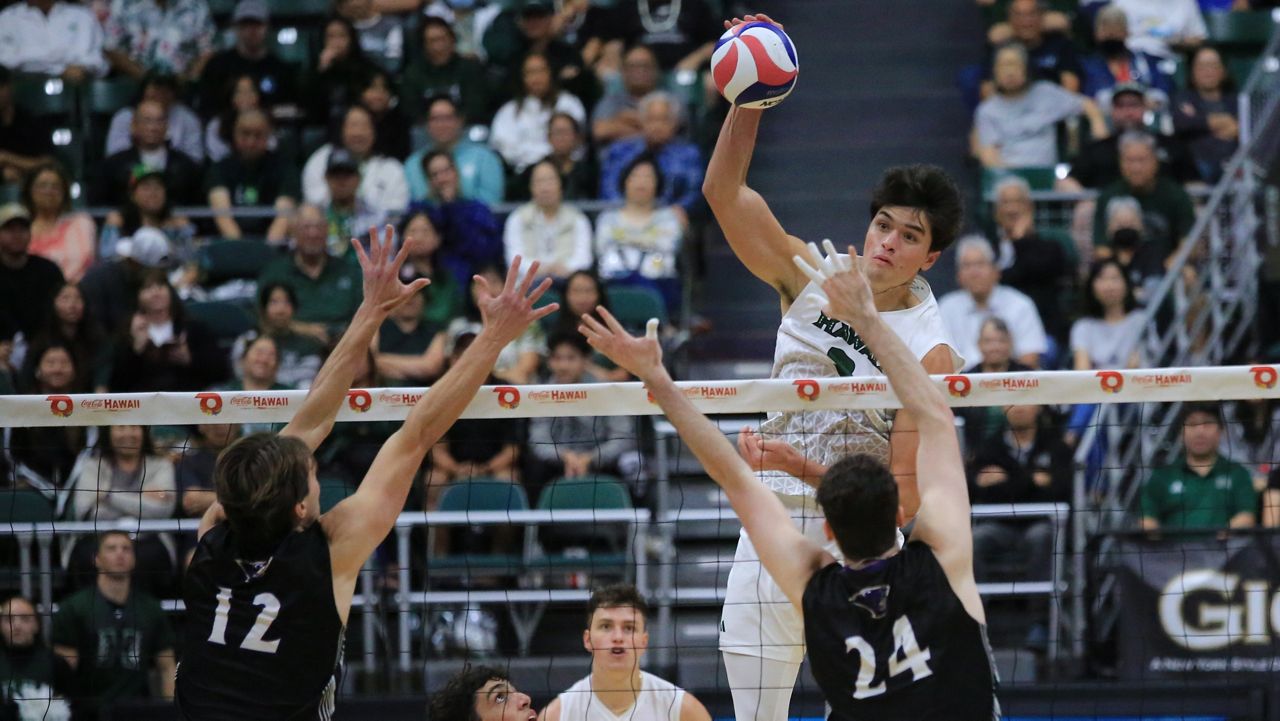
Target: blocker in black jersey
[(263, 637), (891, 641)]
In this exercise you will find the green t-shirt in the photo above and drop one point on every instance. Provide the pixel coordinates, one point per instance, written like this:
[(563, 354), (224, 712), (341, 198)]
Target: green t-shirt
[(1167, 202), (330, 298), (1180, 498), (443, 299), (462, 79), (117, 645)]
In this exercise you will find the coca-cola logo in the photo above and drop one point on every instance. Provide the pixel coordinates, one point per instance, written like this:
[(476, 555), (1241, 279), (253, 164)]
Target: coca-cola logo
[(807, 389), (1264, 377), (959, 386), (210, 403), (508, 396), (359, 401), (1111, 381), (61, 406)]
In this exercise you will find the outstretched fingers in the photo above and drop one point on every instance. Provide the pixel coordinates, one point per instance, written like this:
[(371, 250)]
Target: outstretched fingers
[(513, 275), (610, 321)]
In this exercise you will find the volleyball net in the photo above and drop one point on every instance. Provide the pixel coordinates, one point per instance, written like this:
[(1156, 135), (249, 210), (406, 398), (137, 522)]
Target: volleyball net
[(543, 493)]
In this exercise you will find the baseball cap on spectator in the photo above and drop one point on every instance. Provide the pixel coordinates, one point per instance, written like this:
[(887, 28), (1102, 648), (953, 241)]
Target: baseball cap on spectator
[(537, 8), (341, 160), (11, 212), (147, 246), (1130, 88), (250, 11), (462, 337), (142, 171)]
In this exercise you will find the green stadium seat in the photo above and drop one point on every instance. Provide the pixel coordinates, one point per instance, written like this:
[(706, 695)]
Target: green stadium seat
[(226, 320), (45, 96), (293, 45), (221, 8), (1040, 178), (69, 149), (1250, 29), (224, 260), (332, 492), (608, 544), (477, 495), (300, 9), (551, 296), (24, 505), (106, 96), (635, 305)]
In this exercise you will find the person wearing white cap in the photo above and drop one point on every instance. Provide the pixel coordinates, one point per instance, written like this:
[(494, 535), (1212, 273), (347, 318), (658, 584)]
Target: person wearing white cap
[(111, 288), (252, 56)]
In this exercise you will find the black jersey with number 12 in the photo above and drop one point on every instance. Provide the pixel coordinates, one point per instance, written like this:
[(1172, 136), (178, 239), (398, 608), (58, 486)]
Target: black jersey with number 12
[(892, 642), (263, 637)]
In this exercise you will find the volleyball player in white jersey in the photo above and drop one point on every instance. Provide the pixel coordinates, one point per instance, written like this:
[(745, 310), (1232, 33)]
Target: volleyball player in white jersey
[(916, 212), (617, 636)]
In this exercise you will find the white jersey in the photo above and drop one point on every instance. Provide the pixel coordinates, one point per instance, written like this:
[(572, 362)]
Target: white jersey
[(657, 700), (811, 345)]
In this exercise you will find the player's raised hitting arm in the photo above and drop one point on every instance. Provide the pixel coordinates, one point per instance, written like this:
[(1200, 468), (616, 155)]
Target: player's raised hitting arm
[(358, 524), (755, 235), (790, 557), (943, 518)]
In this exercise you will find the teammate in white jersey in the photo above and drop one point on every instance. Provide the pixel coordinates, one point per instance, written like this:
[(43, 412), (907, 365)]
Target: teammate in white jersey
[(617, 636), (916, 212)]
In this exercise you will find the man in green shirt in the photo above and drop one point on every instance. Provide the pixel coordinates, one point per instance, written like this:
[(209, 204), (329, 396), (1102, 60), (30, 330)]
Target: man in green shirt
[(112, 634), (1202, 489), (440, 70), (1166, 206), (327, 288)]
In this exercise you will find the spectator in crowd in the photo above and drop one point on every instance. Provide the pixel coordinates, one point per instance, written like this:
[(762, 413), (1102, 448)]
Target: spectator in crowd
[(1027, 463), (519, 130), (258, 363), (682, 33), (572, 447), (583, 293), (111, 287), (180, 171), (298, 355), (34, 681), (480, 169), (148, 206), (518, 363), (1051, 56), (1167, 210), (531, 28), (168, 36), (241, 95), (680, 162), (27, 282), (410, 349), (52, 37), (42, 458), (1205, 115), (1106, 334), (123, 479), (1252, 436), (1031, 260), (327, 289), (58, 233), (442, 300), (183, 132), (24, 144), (194, 470), (390, 124), (251, 56), (252, 176), (617, 115), (470, 234), (1115, 64), (382, 184), (558, 235), (341, 70), (381, 35), (1141, 258), (163, 350), (639, 243), (1016, 126), (1163, 27), (442, 70), (1098, 164), (579, 173), (1201, 489), (347, 211), (981, 296), (995, 344), (114, 633), (68, 323)]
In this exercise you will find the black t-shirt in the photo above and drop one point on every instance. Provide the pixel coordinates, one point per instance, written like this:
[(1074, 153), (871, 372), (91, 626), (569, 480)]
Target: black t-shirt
[(25, 137), (1054, 56), (275, 80), (259, 183), (26, 294), (892, 641), (670, 38), (182, 175), (263, 636), (479, 440), (1098, 164)]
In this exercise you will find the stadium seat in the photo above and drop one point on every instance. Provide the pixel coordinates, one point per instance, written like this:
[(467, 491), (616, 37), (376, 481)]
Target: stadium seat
[(332, 492), (226, 320), (45, 96), (551, 296), (293, 45), (1239, 29), (221, 9), (635, 305), (224, 260), (599, 548), (23, 505), (108, 95), (69, 149), (1040, 178), (477, 495), (311, 10)]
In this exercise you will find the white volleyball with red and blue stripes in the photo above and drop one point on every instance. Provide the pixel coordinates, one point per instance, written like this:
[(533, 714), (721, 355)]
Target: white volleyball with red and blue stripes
[(755, 65)]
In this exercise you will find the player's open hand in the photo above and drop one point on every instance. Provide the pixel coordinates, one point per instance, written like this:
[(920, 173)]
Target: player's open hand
[(849, 296), (508, 311), (641, 357), (383, 288), (757, 18), (763, 455)]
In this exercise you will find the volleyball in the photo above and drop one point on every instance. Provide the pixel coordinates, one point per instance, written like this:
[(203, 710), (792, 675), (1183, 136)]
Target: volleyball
[(755, 65)]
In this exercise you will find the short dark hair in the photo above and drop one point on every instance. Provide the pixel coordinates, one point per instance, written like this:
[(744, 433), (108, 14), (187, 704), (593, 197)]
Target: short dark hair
[(1208, 408), (102, 538), (642, 159), (259, 480), (107, 452), (426, 161), (456, 699), (928, 188), (442, 98), (439, 22), (859, 497), (571, 338), (617, 595), (264, 295)]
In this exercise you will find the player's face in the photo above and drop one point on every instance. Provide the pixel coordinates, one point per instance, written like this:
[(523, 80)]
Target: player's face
[(18, 625), (1201, 434), (498, 700), (995, 346), (1139, 165), (617, 638), (567, 364), (115, 555), (897, 247), (976, 273)]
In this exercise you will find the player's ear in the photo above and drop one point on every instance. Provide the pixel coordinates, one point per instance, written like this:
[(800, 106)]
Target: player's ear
[(826, 529), (586, 640), (930, 259), (300, 511)]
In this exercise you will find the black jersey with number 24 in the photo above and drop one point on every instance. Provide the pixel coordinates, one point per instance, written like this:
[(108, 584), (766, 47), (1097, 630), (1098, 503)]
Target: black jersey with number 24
[(263, 637), (892, 642)]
